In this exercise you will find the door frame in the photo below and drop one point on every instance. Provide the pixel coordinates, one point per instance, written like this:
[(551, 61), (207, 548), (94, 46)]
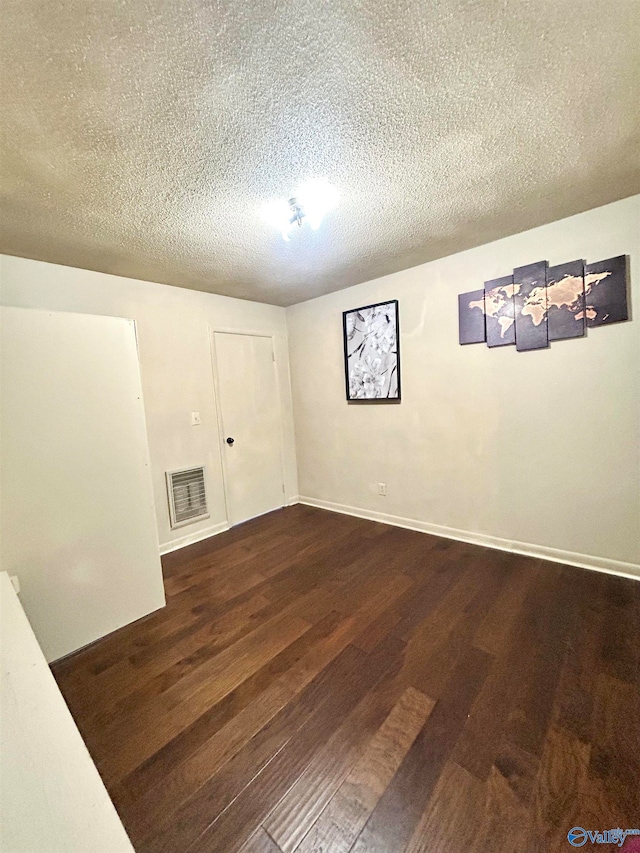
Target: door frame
[(251, 333)]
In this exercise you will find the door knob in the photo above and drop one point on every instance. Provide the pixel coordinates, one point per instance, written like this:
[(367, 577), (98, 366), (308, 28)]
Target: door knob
[(229, 441)]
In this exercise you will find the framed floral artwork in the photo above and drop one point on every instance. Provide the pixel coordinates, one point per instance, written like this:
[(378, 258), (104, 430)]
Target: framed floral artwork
[(372, 352)]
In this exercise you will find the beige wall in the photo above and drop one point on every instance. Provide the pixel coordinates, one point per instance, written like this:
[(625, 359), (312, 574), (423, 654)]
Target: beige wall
[(173, 339), (535, 451)]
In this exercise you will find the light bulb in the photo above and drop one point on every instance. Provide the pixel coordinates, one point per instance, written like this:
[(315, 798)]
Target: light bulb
[(316, 198), (312, 201)]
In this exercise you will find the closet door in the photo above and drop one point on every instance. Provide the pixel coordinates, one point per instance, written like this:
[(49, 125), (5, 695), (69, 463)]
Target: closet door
[(249, 412)]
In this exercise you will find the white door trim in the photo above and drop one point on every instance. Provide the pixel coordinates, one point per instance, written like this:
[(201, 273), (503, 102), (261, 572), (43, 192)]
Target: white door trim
[(216, 390)]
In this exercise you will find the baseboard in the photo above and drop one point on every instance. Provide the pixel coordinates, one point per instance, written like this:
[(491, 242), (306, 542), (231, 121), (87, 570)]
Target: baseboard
[(582, 561), (69, 655), (192, 538)]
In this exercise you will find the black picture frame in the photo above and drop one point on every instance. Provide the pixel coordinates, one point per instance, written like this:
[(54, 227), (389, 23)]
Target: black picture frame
[(366, 381)]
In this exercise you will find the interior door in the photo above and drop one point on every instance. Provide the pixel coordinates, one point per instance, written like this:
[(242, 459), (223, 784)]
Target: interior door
[(249, 410)]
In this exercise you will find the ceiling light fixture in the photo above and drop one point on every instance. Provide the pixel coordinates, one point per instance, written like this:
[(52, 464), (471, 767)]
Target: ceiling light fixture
[(309, 203)]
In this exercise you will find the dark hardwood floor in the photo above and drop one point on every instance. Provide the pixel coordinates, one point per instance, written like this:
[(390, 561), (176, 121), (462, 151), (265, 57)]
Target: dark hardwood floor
[(324, 683)]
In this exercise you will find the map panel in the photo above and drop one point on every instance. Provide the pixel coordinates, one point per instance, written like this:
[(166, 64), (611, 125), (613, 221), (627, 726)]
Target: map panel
[(530, 289), (605, 284), (471, 329), (565, 300), (499, 310)]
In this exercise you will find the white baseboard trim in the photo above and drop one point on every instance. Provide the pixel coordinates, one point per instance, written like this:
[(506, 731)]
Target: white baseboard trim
[(582, 561), (192, 538)]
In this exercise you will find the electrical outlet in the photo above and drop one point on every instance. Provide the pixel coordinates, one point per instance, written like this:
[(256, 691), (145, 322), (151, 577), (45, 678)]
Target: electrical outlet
[(382, 489), (195, 419)]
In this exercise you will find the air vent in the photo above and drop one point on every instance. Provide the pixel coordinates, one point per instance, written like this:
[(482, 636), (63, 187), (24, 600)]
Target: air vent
[(187, 496)]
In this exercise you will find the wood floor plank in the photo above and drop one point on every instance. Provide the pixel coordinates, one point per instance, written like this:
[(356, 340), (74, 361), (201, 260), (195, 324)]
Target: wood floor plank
[(573, 707), (504, 824), (620, 650), (445, 636), (497, 626), (142, 678), (547, 627), (257, 696), (305, 800), (444, 572), (393, 820), (294, 690), (258, 799), (346, 814), (558, 785), (187, 818), (242, 707), (197, 692), (485, 730), (450, 820), (615, 756), (378, 628), (260, 843)]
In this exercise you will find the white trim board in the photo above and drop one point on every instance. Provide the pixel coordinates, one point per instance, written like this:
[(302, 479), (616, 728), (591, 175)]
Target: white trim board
[(570, 558), (192, 538)]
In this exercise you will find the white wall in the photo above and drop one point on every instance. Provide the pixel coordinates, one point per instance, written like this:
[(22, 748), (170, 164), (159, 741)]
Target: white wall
[(540, 449), (173, 338), (52, 796), (77, 520)]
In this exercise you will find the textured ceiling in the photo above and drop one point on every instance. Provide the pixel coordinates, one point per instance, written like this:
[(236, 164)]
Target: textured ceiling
[(142, 137)]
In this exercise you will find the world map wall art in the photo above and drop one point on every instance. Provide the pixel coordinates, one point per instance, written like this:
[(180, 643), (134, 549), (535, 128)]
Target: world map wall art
[(538, 304), (372, 352)]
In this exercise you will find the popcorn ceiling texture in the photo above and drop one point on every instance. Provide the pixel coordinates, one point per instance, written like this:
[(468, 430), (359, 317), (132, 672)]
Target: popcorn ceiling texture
[(141, 137)]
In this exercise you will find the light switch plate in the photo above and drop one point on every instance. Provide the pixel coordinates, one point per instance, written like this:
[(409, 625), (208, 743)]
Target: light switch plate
[(195, 419)]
